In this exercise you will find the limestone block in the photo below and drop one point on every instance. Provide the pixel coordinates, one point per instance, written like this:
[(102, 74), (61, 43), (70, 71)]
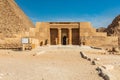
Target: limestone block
[(93, 62), (105, 74), (89, 59), (83, 55)]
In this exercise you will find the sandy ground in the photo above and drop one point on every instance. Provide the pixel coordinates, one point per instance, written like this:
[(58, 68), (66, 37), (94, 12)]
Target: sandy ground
[(113, 60), (52, 63)]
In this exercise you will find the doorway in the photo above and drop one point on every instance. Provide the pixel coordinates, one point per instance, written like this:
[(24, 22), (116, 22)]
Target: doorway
[(64, 36), (75, 36), (54, 36), (64, 40)]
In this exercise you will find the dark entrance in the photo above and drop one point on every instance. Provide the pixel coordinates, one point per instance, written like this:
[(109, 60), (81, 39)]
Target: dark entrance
[(75, 36), (53, 36), (64, 36), (64, 40)]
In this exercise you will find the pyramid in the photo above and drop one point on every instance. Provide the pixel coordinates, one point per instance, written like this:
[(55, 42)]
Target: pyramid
[(12, 19), (114, 27)]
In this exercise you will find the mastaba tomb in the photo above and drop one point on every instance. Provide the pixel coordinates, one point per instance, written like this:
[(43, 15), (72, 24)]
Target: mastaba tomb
[(14, 25), (72, 33)]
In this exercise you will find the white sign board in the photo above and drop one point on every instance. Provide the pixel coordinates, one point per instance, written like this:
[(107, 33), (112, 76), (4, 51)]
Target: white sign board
[(25, 40)]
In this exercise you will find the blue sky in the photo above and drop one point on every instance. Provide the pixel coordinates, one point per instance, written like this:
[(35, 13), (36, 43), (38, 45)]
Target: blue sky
[(99, 12)]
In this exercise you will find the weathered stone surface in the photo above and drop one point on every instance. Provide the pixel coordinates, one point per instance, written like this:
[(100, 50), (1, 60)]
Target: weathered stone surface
[(83, 55), (12, 19), (115, 49), (105, 74), (113, 28), (101, 29), (93, 62), (89, 59), (13, 24)]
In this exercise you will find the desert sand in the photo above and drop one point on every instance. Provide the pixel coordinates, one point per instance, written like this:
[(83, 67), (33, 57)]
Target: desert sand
[(54, 63)]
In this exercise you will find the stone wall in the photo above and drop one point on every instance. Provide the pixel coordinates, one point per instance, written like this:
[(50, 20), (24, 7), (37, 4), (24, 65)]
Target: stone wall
[(89, 36), (86, 29), (32, 32), (104, 34), (34, 42), (9, 43), (43, 32), (100, 41)]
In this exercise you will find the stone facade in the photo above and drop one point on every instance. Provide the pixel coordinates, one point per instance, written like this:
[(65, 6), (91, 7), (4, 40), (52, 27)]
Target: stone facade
[(72, 33)]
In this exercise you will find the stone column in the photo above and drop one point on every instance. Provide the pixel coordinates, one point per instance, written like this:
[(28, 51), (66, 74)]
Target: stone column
[(49, 35), (59, 36), (70, 36)]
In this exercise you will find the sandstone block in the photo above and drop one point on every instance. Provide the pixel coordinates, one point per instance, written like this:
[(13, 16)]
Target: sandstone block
[(105, 74), (93, 62)]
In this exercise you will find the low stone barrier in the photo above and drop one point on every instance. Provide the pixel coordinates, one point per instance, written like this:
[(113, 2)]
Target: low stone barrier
[(104, 72), (83, 55), (96, 48)]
